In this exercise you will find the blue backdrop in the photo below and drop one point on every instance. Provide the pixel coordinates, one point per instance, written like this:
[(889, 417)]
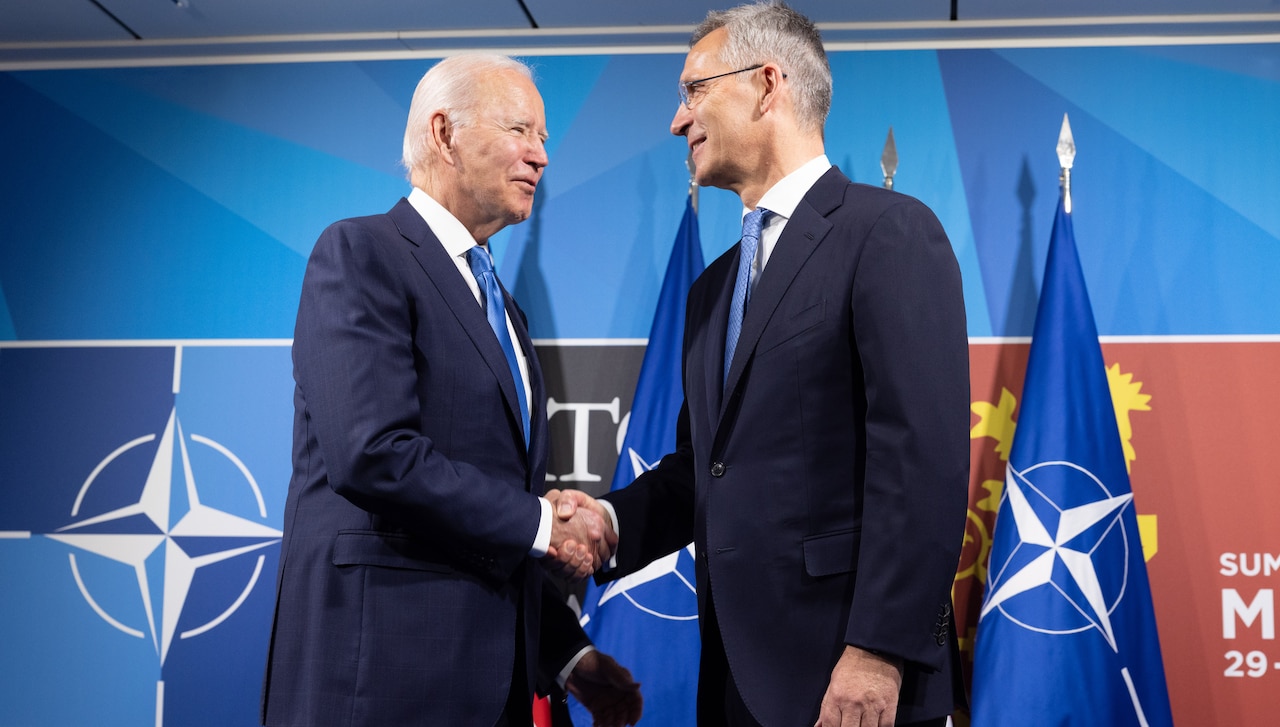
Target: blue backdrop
[(182, 202), (155, 223)]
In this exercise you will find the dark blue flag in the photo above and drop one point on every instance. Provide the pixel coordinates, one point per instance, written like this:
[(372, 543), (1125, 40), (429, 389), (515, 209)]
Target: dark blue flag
[(1067, 634), (648, 621)]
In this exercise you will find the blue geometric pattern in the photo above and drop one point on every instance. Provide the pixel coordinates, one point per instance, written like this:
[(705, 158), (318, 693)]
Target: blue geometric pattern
[(1167, 201), (182, 202), (142, 498)]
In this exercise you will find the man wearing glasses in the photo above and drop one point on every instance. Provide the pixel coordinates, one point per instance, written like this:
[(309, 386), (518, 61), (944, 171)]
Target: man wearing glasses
[(822, 453)]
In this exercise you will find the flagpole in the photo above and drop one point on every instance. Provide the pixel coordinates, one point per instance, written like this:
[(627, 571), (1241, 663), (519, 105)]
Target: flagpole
[(889, 160), (693, 184), (1066, 157)]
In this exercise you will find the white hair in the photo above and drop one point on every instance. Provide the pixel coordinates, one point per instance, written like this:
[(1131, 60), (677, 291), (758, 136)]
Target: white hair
[(448, 87)]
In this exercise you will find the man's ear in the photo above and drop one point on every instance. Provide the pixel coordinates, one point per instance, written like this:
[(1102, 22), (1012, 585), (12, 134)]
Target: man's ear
[(771, 77), (442, 131)]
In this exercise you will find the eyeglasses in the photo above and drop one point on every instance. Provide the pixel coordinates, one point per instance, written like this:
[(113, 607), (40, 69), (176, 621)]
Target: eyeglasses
[(687, 91)]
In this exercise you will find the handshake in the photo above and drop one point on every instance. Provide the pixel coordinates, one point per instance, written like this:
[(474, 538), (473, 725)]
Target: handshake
[(582, 535)]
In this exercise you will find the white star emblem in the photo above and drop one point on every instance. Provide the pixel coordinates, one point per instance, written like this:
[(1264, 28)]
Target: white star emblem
[(131, 534), (660, 568), (1064, 545)]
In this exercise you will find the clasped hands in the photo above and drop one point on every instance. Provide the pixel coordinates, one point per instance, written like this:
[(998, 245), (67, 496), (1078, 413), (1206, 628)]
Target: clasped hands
[(582, 535)]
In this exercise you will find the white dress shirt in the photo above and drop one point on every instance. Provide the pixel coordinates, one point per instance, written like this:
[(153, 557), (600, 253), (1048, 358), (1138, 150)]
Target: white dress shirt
[(782, 200)]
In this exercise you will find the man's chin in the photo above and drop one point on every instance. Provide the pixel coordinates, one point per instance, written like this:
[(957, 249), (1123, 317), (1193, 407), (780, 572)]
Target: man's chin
[(708, 178)]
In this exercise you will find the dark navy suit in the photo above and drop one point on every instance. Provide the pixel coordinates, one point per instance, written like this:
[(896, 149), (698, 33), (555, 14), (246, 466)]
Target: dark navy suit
[(825, 488), (406, 590)]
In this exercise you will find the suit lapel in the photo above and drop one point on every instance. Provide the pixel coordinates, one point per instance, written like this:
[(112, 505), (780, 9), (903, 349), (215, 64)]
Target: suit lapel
[(716, 288), (444, 275), (537, 388), (802, 235)]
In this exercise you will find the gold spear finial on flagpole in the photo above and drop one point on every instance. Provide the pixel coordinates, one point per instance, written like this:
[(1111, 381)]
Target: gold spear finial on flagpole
[(1066, 156), (693, 185), (889, 160)]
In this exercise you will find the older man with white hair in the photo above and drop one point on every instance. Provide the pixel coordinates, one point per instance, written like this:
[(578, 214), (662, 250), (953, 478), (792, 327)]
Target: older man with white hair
[(410, 589)]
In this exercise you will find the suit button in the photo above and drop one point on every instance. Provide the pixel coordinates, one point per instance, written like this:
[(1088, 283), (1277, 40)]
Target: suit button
[(717, 469)]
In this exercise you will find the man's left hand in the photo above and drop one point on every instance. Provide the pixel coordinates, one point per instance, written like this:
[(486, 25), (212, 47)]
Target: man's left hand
[(606, 689), (863, 691)]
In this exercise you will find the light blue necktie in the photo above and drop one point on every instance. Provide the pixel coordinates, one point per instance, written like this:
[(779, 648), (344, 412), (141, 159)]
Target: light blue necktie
[(752, 224), (495, 311)]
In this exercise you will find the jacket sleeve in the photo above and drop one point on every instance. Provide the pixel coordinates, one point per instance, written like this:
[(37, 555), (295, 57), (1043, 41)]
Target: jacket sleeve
[(561, 638), (911, 339), (655, 512)]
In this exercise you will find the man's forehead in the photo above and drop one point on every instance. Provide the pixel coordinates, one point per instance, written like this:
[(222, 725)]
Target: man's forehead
[(507, 85), (704, 54), (515, 99)]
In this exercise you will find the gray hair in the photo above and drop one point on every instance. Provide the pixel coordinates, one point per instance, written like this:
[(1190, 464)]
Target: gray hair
[(448, 87), (772, 31)]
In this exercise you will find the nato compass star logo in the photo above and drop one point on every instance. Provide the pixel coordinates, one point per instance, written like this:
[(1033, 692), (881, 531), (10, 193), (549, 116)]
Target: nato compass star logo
[(664, 598), (1060, 544), (168, 531), (1069, 565)]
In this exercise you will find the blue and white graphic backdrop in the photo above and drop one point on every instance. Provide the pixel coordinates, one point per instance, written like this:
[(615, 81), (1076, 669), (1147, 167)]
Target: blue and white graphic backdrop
[(141, 504), (152, 220)]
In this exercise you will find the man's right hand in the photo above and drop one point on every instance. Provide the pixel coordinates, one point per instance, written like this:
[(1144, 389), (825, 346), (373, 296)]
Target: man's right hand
[(582, 535)]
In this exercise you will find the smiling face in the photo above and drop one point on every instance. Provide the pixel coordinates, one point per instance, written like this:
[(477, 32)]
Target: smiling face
[(499, 156), (718, 126)]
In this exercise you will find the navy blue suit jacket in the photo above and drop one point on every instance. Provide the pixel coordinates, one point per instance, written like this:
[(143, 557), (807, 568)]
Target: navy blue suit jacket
[(825, 488), (413, 501)]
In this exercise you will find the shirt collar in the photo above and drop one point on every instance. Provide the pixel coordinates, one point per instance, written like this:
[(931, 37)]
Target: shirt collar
[(783, 197), (453, 234)]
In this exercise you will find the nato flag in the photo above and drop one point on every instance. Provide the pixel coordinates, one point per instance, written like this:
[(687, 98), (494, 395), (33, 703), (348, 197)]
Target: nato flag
[(648, 621), (1067, 634)]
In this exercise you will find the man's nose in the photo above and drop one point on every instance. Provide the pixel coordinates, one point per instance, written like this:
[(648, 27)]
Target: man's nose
[(537, 156), (681, 121)]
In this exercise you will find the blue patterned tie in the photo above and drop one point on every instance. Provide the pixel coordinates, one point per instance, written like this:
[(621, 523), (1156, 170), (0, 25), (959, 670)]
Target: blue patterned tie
[(482, 268), (752, 224)]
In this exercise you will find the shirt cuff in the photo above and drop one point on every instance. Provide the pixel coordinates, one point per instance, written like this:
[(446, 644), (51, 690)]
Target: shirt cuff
[(542, 540), (613, 519), (563, 677)]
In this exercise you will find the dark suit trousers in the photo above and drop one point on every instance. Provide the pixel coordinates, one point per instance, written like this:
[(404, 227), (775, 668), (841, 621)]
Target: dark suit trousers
[(720, 704), (519, 709)]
